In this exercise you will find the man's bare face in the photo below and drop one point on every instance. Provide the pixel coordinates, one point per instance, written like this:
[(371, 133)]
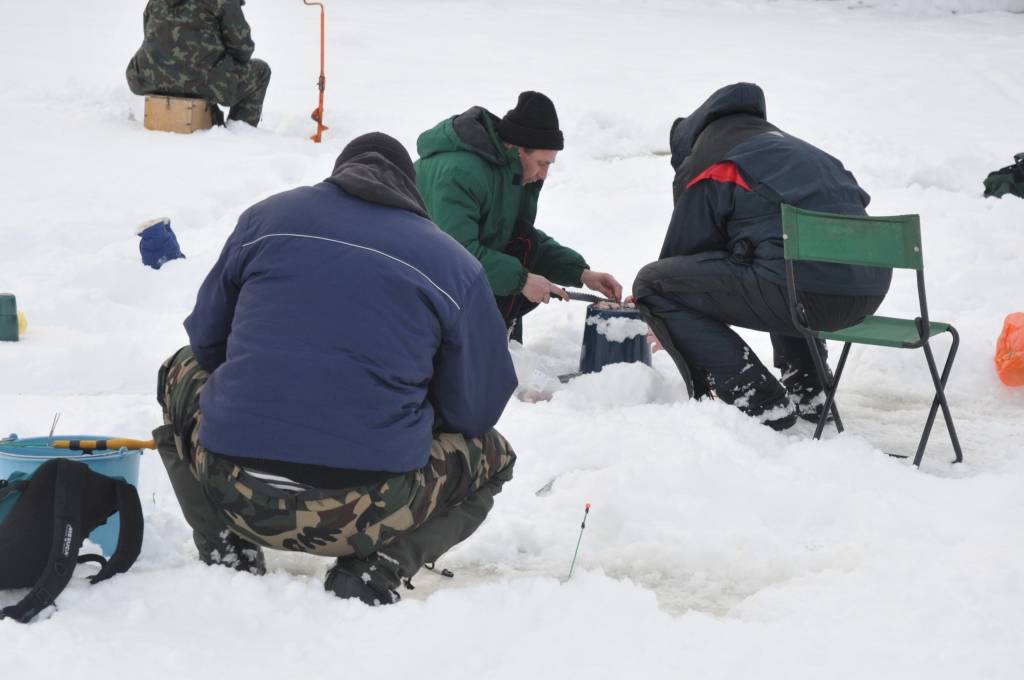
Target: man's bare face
[(536, 163)]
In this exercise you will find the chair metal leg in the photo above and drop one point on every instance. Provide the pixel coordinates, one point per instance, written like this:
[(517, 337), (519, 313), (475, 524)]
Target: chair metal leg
[(829, 385), (835, 383), (940, 399), (833, 387)]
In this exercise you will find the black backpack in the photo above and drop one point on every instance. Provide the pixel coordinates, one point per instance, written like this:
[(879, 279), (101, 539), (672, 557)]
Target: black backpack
[(53, 511), (1008, 180)]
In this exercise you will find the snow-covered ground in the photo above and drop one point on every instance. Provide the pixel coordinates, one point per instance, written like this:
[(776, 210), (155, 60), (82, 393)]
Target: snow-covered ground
[(716, 548)]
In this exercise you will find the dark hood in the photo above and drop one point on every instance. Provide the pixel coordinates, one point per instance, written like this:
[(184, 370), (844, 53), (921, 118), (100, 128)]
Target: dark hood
[(473, 130), (373, 178), (732, 99), (175, 3)]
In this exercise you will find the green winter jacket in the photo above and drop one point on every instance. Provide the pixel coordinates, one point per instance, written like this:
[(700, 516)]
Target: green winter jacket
[(470, 182), (188, 43)]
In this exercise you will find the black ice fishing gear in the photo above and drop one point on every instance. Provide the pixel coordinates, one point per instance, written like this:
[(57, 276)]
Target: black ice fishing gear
[(1008, 180), (43, 521)]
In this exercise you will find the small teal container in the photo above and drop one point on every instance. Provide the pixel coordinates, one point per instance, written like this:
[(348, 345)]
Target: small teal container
[(22, 457), (8, 317)]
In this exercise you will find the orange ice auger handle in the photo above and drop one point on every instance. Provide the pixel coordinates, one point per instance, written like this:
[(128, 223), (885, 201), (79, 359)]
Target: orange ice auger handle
[(318, 112)]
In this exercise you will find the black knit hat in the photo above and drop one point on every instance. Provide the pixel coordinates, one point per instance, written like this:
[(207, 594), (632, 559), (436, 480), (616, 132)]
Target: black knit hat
[(533, 124), (385, 145)]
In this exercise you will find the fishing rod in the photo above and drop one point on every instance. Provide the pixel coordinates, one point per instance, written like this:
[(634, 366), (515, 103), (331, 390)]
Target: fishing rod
[(88, 445)]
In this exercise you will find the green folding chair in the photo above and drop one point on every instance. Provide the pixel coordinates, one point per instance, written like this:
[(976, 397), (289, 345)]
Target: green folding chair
[(893, 242)]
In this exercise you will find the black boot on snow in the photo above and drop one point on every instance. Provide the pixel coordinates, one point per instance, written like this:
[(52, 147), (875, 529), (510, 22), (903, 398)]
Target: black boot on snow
[(806, 393), (231, 550), (758, 394), (216, 114), (373, 580)]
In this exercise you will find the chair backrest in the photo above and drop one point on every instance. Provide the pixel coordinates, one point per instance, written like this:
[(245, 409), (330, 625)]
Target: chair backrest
[(847, 239)]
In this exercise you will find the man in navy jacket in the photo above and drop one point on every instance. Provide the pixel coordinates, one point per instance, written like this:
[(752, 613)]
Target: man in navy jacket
[(722, 263), (345, 369)]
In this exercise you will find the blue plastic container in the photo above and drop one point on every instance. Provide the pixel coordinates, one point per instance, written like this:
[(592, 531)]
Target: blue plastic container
[(599, 349), (25, 455)]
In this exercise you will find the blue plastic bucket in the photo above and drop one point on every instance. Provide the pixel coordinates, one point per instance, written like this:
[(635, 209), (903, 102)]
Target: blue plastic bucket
[(603, 348), (25, 455)]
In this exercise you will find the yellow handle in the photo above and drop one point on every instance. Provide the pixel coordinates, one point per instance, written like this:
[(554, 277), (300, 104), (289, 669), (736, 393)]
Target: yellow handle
[(103, 444)]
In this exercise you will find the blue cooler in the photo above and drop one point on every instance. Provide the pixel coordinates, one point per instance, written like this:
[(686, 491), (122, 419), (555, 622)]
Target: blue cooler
[(599, 349), (20, 458)]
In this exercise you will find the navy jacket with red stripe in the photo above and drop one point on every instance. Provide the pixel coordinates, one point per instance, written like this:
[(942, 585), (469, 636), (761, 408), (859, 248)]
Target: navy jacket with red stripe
[(734, 169)]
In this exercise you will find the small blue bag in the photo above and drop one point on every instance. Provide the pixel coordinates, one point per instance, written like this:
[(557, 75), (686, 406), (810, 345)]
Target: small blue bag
[(158, 243)]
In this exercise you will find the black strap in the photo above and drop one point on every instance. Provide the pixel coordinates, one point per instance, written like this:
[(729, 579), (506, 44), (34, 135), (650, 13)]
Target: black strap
[(66, 542), (8, 487), (129, 538), (91, 557)]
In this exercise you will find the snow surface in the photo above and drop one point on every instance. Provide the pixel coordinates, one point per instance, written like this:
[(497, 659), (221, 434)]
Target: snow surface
[(618, 328), (716, 548)]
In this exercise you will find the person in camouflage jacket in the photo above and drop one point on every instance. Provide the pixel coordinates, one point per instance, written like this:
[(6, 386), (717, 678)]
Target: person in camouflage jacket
[(200, 48)]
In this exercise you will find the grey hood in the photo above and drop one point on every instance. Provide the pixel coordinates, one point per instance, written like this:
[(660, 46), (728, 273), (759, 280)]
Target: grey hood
[(373, 178)]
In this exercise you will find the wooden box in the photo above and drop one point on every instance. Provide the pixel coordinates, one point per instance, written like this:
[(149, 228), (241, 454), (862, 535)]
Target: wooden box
[(177, 114)]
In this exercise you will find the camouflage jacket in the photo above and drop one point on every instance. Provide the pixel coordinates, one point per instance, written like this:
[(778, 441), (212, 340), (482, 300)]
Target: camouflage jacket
[(188, 43)]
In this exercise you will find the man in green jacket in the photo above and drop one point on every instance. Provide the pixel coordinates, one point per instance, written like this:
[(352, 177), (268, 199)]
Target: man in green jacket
[(480, 177), (200, 48)]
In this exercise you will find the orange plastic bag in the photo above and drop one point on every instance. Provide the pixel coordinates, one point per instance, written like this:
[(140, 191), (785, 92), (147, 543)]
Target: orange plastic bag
[(1010, 351)]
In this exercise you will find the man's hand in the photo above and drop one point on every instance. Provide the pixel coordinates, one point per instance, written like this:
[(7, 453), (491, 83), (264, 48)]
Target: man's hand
[(603, 283), (539, 290)]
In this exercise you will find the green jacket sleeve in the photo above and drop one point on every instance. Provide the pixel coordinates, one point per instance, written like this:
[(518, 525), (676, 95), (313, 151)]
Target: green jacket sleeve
[(234, 31), (558, 263), (454, 202)]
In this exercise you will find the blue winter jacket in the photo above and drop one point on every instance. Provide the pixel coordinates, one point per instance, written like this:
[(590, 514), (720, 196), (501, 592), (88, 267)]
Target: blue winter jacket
[(734, 169), (343, 331)]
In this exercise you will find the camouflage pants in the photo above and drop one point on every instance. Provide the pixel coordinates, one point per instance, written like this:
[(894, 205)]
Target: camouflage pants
[(421, 514), (242, 87)]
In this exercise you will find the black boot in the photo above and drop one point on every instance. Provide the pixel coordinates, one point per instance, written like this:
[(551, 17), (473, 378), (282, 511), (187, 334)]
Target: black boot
[(374, 580), (216, 114), (231, 550), (806, 393), (757, 393)]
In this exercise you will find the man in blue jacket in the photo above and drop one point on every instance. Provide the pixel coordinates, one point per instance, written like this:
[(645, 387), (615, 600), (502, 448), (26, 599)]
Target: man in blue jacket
[(722, 263), (345, 369)]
